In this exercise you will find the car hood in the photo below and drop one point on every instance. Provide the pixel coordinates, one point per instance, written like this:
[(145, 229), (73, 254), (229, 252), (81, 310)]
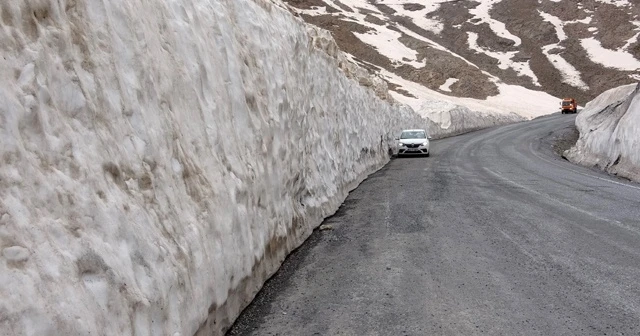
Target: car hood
[(412, 141)]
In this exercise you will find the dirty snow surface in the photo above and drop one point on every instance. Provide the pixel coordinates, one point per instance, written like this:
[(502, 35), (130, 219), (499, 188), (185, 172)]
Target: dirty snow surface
[(160, 159), (609, 129)]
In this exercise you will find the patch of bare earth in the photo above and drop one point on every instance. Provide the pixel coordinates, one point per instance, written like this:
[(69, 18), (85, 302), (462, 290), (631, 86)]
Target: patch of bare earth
[(566, 10), (614, 26), (634, 49), (458, 23), (413, 6), (397, 88), (522, 19), (342, 6), (311, 4), (342, 32), (598, 78), (565, 139), (375, 20), (440, 66)]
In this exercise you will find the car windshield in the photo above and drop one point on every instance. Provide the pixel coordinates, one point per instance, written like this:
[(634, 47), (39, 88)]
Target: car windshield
[(566, 103), (413, 135)]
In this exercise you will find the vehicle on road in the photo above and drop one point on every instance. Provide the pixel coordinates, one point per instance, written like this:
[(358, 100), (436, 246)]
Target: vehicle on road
[(569, 105), (413, 141)]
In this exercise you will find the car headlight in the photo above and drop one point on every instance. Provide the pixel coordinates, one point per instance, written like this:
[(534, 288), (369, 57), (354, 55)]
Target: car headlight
[(401, 144), (426, 143)]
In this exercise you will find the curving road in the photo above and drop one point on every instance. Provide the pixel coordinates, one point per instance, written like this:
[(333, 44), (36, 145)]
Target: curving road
[(493, 234)]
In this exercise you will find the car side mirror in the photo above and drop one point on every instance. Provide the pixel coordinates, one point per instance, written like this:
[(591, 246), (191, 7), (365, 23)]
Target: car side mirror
[(429, 137)]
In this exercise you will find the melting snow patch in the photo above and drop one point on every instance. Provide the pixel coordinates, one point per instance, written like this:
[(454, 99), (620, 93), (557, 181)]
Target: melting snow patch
[(504, 59), (617, 3), (433, 44), (386, 42), (557, 24), (447, 84), (314, 11), (570, 75), (482, 12), (509, 100), (617, 59), (419, 16)]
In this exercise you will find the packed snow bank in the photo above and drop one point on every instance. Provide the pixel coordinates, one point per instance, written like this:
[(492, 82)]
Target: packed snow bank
[(160, 158), (609, 129)]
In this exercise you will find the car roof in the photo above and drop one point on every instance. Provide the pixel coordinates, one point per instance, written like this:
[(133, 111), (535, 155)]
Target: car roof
[(414, 130)]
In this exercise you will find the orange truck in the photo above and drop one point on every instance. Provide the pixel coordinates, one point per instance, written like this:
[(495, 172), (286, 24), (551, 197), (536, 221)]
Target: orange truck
[(569, 105)]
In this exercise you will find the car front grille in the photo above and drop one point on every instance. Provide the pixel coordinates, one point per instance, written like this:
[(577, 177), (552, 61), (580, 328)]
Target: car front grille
[(412, 145)]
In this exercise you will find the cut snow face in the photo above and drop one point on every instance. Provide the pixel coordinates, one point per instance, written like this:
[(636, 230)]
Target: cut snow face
[(561, 47), (609, 126), (153, 175)]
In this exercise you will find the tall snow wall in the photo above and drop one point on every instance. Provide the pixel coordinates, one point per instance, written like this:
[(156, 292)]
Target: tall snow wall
[(161, 158), (609, 129)]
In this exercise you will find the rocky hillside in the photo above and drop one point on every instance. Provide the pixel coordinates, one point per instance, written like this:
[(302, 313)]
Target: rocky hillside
[(485, 50)]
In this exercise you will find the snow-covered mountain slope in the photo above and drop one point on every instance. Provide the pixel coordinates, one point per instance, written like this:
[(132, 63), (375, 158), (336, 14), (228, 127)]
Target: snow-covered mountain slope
[(609, 129), (160, 158), (497, 55)]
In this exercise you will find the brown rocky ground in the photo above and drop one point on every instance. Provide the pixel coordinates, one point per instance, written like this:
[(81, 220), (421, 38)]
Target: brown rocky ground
[(521, 18)]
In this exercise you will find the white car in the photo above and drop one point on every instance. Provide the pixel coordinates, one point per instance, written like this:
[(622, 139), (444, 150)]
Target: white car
[(413, 141)]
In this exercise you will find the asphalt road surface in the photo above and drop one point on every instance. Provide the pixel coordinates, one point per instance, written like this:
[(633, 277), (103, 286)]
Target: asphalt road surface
[(493, 234)]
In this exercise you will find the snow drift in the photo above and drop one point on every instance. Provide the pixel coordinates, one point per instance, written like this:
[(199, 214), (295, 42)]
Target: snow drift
[(609, 129), (160, 158)]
